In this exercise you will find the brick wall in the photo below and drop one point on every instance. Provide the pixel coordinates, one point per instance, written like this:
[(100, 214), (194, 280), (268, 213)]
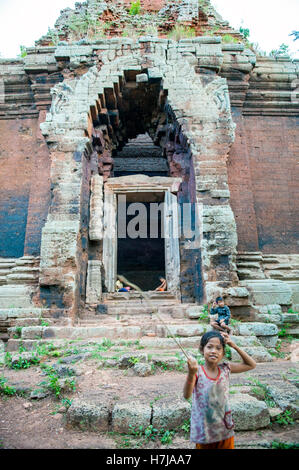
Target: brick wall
[(264, 183), (24, 187)]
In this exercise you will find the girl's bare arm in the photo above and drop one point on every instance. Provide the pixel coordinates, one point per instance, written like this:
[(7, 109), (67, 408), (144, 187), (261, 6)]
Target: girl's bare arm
[(191, 378)]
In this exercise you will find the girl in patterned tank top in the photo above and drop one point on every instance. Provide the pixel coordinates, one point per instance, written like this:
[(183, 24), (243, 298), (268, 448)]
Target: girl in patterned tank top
[(212, 425)]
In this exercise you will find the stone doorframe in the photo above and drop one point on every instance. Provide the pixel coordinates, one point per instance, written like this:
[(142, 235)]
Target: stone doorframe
[(145, 184)]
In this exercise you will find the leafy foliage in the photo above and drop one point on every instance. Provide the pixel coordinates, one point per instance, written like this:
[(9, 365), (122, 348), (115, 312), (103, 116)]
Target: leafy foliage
[(21, 363), (229, 39), (284, 445), (282, 50), (135, 8), (150, 433), (285, 418), (23, 52), (6, 389), (295, 34), (245, 32)]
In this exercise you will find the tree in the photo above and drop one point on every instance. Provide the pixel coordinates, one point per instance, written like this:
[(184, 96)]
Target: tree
[(245, 32), (282, 50), (295, 34)]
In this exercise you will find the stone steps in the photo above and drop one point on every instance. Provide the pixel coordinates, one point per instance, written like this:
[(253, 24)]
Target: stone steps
[(12, 319), (16, 296), (137, 296), (154, 335), (19, 271), (136, 309)]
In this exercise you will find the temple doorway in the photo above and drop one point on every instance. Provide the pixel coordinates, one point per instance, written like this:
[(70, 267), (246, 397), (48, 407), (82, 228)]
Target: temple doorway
[(140, 241)]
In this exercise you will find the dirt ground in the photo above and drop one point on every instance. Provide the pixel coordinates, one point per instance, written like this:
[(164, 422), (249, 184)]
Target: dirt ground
[(39, 423)]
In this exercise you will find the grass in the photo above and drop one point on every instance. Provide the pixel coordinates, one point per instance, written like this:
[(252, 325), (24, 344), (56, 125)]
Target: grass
[(261, 391), (229, 39), (278, 353), (186, 427), (133, 360), (228, 352), (53, 383), (283, 331), (150, 433), (284, 445), (6, 389), (180, 32), (290, 310), (285, 419), (135, 8), (21, 363), (205, 314)]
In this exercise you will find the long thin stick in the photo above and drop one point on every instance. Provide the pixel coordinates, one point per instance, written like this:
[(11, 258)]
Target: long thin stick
[(128, 283)]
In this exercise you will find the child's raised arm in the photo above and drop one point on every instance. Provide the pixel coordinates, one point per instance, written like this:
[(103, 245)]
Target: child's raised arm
[(247, 364), (191, 377)]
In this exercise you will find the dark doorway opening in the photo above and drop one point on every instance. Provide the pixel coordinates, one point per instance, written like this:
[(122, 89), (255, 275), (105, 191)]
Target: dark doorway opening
[(141, 259)]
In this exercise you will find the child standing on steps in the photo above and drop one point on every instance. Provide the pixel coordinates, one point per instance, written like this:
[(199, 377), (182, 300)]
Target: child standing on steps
[(212, 426)]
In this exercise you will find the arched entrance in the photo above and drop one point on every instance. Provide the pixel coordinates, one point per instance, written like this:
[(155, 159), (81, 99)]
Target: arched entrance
[(91, 120)]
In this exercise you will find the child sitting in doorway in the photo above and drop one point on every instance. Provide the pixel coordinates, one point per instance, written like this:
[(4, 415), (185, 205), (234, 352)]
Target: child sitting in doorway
[(163, 286), (223, 315)]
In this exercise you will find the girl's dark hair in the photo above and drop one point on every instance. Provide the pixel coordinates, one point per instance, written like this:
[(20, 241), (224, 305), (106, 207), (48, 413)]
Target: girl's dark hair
[(207, 336)]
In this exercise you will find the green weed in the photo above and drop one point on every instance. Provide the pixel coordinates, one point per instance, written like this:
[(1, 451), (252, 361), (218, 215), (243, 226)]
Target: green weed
[(228, 39), (284, 445), (186, 426), (134, 360), (21, 363), (23, 53), (150, 433), (205, 314), (285, 418), (6, 389), (135, 8), (283, 331), (166, 437), (53, 384), (18, 332), (262, 391), (228, 352)]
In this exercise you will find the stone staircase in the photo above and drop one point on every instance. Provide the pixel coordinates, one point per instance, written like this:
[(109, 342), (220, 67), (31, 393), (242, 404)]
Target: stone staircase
[(18, 285), (128, 318), (19, 271), (120, 304)]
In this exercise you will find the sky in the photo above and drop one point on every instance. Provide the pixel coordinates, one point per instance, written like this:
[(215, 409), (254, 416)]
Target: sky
[(270, 22)]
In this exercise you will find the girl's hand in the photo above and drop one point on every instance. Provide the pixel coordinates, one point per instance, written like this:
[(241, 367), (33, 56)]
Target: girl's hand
[(227, 339), (192, 366)]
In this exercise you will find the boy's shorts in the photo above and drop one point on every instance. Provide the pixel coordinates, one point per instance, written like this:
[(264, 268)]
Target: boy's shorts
[(226, 320)]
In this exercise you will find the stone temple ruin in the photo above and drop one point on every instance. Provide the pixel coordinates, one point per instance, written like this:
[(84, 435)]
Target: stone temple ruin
[(112, 109)]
